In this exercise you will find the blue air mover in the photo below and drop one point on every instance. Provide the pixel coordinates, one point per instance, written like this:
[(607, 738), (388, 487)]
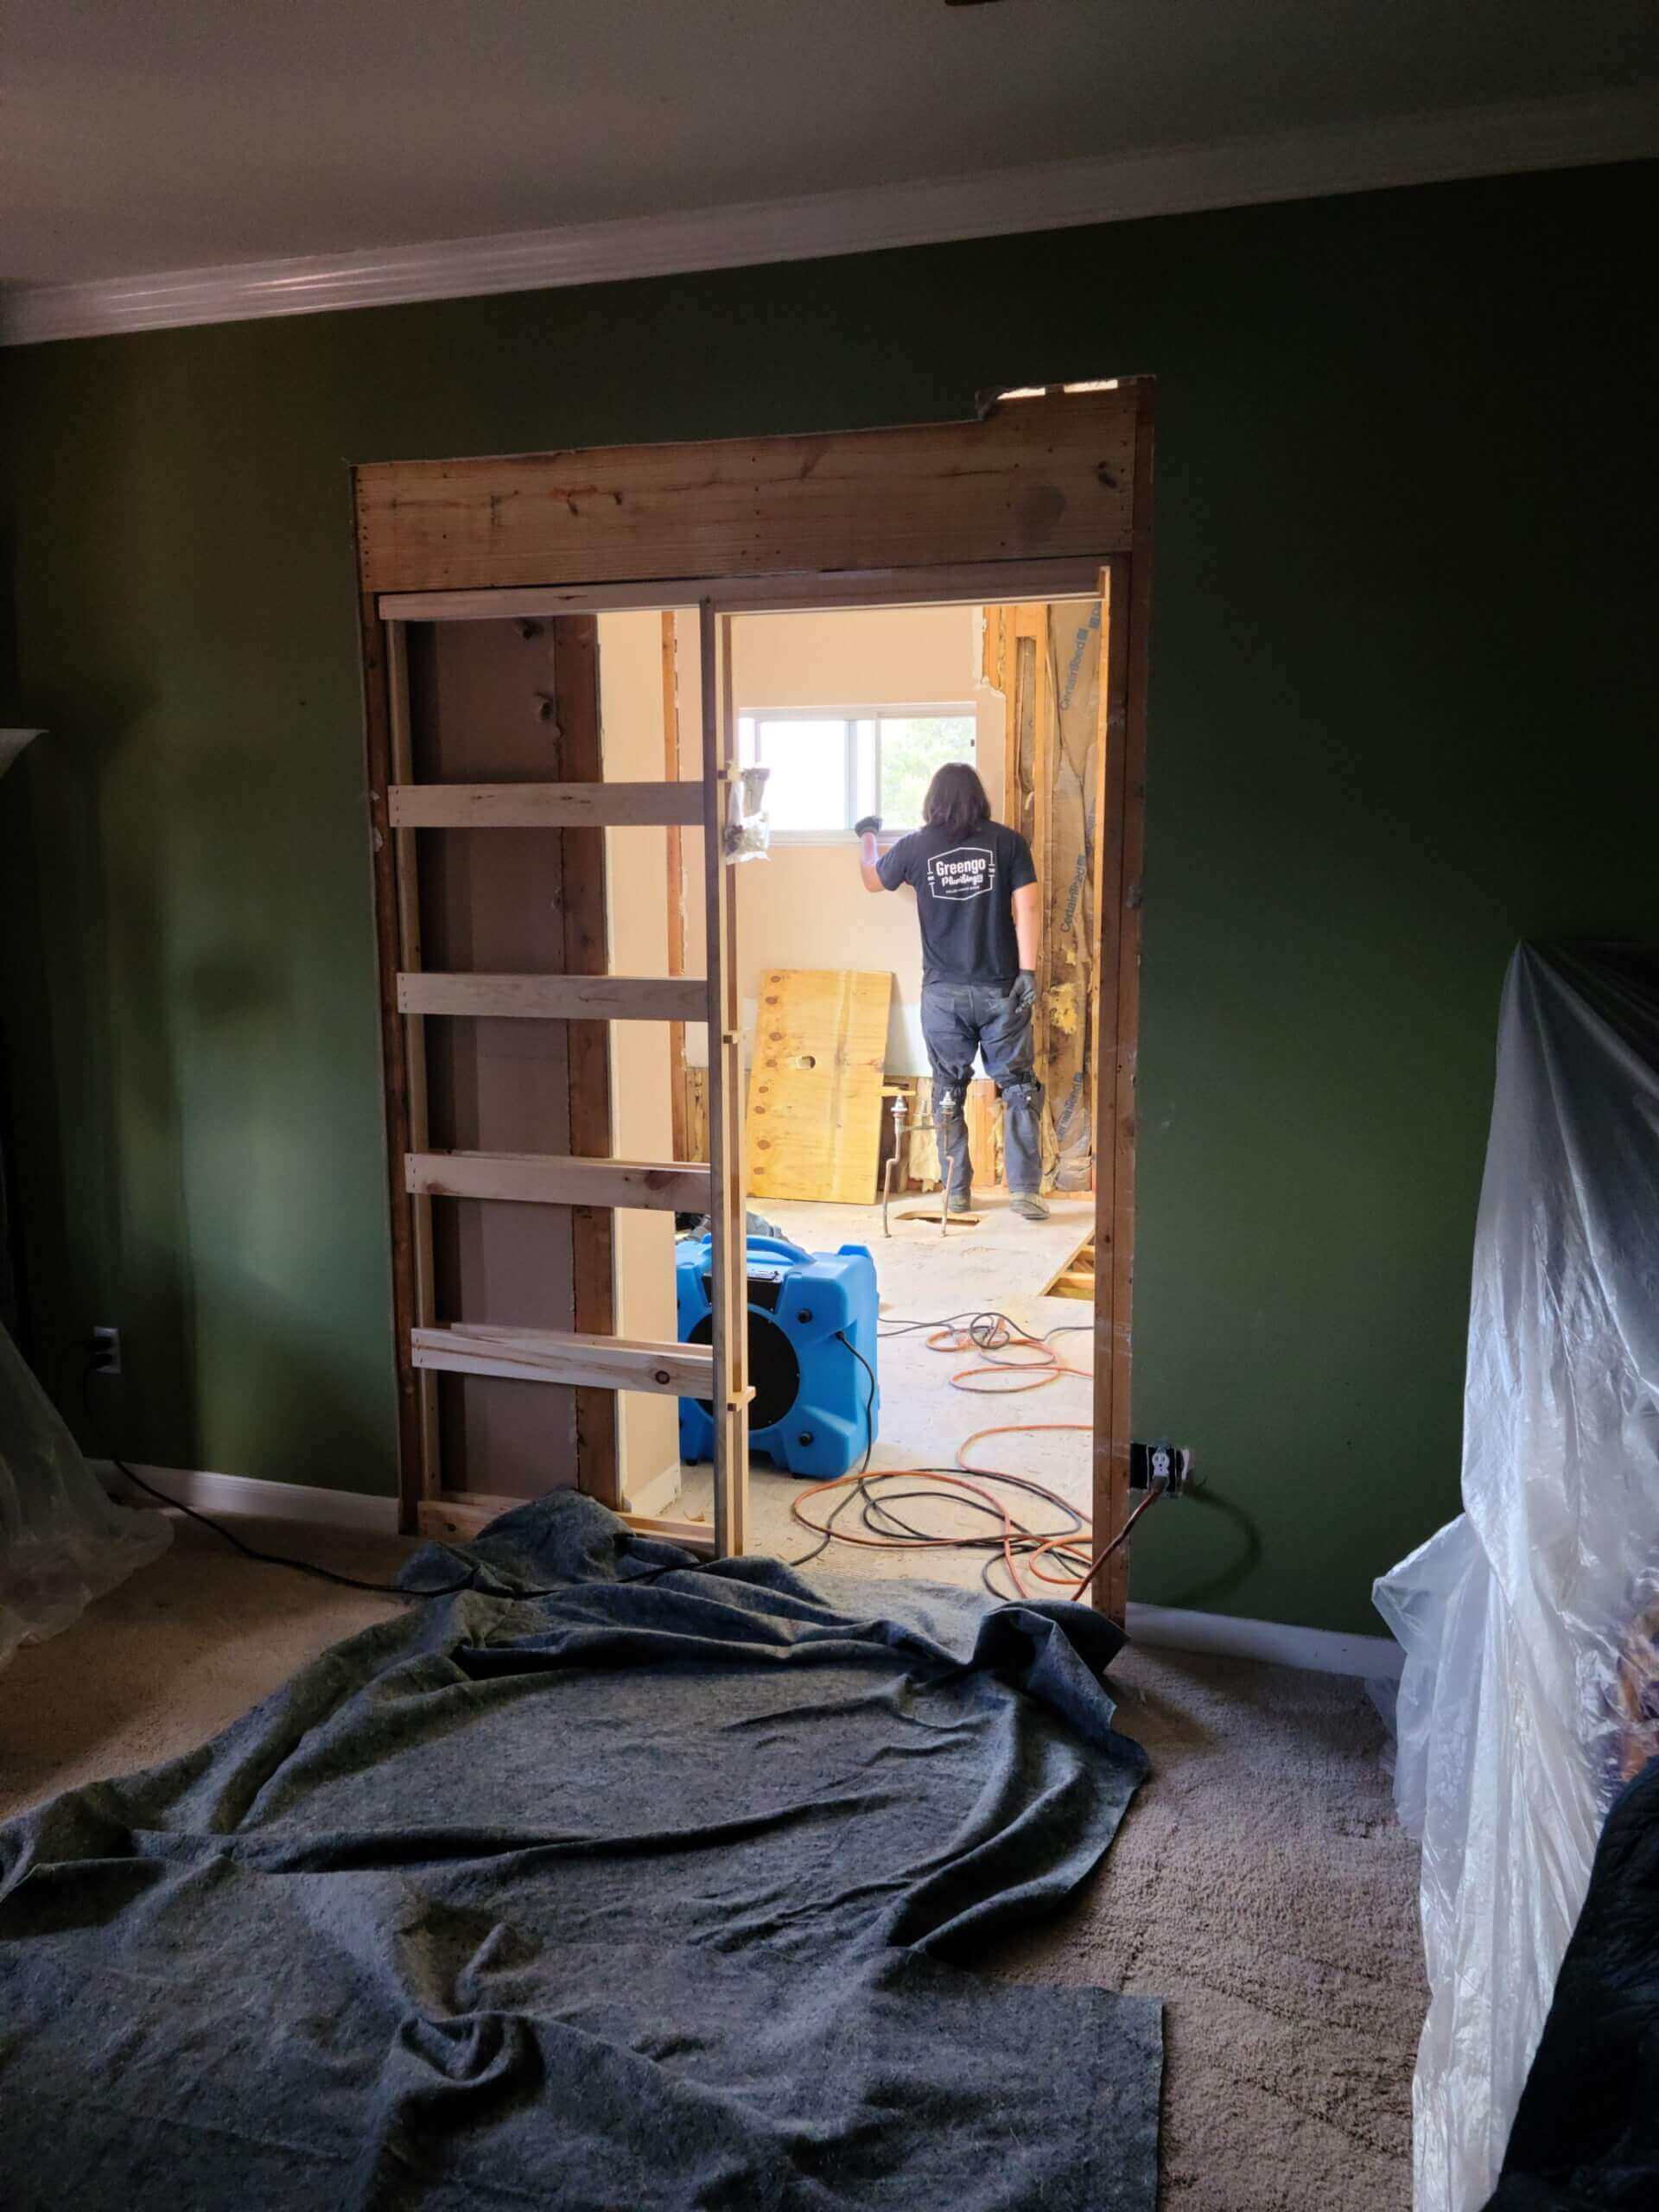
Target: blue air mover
[(812, 1398)]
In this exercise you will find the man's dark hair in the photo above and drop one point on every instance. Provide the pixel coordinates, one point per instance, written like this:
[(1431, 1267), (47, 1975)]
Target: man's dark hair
[(956, 801)]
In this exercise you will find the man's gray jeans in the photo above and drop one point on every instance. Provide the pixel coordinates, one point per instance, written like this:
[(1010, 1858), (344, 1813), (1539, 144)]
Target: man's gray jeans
[(959, 1020)]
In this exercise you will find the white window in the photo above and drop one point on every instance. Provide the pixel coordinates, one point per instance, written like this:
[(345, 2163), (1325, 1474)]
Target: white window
[(830, 766)]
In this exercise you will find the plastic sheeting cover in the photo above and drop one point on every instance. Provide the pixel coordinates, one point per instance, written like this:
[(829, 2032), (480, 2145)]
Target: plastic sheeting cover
[(1514, 1618), (62, 1542)]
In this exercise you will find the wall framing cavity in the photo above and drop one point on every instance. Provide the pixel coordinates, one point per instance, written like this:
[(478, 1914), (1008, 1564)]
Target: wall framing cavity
[(1047, 496)]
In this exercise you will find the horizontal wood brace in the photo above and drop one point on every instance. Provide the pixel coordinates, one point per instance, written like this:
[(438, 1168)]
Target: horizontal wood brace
[(558, 1356), (557, 998), (1039, 479), (456, 1516), (971, 581), (547, 1178), (542, 806), (693, 1535)]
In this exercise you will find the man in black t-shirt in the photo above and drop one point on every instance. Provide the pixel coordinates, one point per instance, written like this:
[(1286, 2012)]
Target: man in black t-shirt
[(976, 901)]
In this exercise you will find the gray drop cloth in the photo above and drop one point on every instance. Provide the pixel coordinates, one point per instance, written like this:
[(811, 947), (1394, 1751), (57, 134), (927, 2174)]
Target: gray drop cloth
[(654, 1891)]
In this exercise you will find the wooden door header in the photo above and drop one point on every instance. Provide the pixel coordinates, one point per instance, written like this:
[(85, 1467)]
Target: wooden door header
[(1039, 479)]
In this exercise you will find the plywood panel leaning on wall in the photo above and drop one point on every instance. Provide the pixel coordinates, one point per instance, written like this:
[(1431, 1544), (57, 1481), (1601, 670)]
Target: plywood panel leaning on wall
[(1045, 658), (815, 1087), (694, 1091)]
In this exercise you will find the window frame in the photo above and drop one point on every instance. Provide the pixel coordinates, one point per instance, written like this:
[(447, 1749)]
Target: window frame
[(849, 718)]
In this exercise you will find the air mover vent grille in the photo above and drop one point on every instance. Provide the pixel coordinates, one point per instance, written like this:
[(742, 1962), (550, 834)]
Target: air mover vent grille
[(774, 1370)]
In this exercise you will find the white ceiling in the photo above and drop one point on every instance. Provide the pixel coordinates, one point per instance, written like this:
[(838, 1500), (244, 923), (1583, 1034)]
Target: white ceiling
[(168, 136)]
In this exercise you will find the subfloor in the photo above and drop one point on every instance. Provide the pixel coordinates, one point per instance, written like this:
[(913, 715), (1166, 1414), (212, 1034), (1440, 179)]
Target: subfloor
[(1259, 1884), (1003, 1264)]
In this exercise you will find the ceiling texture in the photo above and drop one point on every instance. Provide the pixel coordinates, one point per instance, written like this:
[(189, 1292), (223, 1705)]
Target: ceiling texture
[(186, 134)]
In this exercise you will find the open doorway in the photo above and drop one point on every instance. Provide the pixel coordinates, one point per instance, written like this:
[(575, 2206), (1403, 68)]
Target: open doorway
[(852, 711), (1042, 501)]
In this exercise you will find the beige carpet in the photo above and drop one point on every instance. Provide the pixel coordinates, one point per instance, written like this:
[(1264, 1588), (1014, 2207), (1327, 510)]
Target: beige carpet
[(1259, 1884)]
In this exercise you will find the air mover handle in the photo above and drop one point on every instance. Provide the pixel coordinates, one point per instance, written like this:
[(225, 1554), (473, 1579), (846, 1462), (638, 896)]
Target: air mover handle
[(781, 1245)]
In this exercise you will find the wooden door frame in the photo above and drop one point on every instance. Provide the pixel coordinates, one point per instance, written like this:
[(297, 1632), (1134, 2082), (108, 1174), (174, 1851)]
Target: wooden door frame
[(1030, 532)]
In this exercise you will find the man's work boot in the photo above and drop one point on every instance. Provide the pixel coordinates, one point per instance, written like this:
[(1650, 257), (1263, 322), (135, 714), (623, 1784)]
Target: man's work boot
[(1029, 1207), (960, 1202)]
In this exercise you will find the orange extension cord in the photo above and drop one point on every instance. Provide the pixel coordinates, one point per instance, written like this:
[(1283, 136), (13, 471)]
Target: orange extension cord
[(1073, 1546)]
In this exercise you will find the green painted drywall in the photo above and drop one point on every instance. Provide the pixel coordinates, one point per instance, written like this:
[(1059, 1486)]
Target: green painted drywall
[(1401, 716)]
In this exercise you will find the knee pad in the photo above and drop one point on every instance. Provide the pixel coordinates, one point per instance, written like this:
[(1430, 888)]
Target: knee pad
[(1024, 1090), (947, 1103)]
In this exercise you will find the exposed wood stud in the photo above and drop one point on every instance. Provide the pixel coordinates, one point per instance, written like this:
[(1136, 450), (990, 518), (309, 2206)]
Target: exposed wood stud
[(542, 806), (969, 583), (691, 1535), (555, 998), (729, 1257), (693, 794), (548, 1179), (604, 1362), (1045, 660), (1112, 1585), (576, 682), (414, 1215), (1127, 587), (456, 1517)]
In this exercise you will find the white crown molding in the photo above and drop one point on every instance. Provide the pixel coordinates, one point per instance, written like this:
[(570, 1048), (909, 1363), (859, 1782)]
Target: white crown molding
[(1057, 195)]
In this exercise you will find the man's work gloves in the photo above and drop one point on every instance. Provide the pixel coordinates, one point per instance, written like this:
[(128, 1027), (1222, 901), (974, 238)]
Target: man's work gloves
[(1023, 993), (867, 825)]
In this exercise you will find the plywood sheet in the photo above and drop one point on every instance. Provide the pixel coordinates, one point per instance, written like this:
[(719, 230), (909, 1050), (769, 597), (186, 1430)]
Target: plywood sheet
[(814, 1128), (693, 1083)]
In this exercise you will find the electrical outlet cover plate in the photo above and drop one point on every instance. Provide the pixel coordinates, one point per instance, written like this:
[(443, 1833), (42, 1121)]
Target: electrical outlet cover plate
[(1168, 1467)]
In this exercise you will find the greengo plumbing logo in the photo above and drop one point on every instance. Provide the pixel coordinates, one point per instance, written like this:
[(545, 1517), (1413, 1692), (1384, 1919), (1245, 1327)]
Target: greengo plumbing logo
[(965, 871)]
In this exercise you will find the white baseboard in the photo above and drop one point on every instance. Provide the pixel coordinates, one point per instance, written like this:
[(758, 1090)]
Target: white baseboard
[(232, 1494), (330, 1509), (1321, 1651), (1375, 1658)]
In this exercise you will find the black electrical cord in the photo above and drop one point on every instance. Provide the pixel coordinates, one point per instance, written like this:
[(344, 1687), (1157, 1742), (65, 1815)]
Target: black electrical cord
[(841, 1504), (305, 1566), (878, 1519), (875, 1510), (983, 1326), (1026, 1539), (881, 1520), (869, 1399)]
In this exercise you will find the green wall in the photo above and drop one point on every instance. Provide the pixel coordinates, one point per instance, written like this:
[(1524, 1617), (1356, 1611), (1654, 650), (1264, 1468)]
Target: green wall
[(1401, 716)]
